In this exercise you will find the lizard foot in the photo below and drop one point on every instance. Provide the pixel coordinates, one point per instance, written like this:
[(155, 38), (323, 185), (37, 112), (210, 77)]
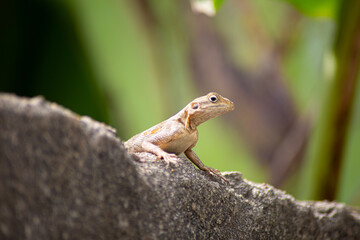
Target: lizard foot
[(216, 173), (168, 158)]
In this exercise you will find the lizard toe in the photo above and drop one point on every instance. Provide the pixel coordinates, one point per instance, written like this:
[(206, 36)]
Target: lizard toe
[(218, 174), (169, 158)]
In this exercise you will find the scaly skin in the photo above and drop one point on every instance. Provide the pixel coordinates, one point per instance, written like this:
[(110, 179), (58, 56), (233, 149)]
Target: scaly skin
[(179, 134)]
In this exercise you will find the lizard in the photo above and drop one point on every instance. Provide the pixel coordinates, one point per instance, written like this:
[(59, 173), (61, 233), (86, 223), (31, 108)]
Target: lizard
[(179, 133)]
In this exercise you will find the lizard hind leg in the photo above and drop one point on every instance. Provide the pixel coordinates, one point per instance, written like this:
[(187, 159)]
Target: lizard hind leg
[(196, 160)]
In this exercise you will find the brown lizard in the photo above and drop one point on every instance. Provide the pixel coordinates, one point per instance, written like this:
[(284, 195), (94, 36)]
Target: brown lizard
[(179, 134)]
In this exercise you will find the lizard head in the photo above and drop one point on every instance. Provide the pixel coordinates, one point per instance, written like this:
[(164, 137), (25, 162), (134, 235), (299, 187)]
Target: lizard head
[(206, 107)]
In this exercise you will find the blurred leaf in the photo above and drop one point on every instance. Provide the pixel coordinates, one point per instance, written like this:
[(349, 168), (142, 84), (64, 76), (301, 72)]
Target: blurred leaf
[(320, 174), (347, 49), (122, 59), (304, 65), (172, 56), (318, 8), (349, 182), (217, 4)]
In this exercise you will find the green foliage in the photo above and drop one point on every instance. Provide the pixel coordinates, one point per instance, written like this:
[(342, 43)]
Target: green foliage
[(332, 145), (218, 3), (349, 182), (346, 48), (122, 59), (318, 8), (310, 51)]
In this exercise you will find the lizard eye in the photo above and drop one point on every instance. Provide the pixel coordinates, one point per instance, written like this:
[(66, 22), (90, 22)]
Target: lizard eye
[(213, 98), (195, 106)]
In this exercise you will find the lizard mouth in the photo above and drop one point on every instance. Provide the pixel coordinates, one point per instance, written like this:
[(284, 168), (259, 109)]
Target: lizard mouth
[(228, 104), (225, 106)]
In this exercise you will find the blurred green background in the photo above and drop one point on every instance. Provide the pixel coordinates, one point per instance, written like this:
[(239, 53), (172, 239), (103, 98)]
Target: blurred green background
[(291, 68)]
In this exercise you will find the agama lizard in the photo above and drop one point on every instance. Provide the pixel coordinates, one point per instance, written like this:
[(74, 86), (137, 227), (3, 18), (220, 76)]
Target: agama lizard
[(179, 134)]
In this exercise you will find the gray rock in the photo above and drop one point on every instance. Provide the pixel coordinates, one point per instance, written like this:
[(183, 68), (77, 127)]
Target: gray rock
[(63, 176)]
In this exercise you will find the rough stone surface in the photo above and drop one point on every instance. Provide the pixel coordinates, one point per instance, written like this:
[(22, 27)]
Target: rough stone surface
[(64, 176)]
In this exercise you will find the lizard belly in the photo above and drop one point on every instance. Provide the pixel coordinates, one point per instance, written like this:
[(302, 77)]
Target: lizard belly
[(179, 145)]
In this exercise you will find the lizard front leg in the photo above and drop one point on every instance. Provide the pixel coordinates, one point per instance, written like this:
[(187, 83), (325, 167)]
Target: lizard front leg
[(196, 160), (152, 148)]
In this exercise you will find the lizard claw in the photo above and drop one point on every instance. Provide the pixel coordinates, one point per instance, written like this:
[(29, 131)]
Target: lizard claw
[(169, 158), (217, 173)]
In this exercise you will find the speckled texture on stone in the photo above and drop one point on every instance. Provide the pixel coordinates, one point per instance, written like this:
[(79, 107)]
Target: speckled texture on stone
[(68, 177)]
